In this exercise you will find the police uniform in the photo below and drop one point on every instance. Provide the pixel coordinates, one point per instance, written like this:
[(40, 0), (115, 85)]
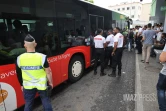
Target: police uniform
[(99, 52), (32, 77), (109, 49), (116, 59)]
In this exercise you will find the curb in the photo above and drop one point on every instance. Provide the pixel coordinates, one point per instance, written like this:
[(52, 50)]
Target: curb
[(138, 90)]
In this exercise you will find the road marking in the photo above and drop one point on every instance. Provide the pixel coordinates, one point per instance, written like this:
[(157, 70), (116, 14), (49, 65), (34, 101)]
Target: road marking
[(138, 90)]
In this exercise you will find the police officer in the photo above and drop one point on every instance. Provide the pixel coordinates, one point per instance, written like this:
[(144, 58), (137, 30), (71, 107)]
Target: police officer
[(100, 45), (109, 49), (117, 52), (33, 76)]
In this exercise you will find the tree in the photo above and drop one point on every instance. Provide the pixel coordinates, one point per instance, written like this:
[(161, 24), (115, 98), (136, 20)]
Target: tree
[(91, 1)]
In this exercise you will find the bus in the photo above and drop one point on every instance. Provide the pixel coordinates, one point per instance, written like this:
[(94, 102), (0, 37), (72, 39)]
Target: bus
[(62, 30)]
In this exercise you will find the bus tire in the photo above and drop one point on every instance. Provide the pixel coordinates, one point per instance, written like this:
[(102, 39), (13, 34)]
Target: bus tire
[(76, 68)]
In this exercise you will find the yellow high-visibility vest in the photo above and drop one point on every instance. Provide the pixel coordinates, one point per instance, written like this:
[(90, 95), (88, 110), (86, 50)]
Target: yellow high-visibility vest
[(33, 73)]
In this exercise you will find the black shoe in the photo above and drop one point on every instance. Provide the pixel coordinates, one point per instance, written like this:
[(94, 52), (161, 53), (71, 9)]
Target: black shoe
[(113, 74), (95, 72), (102, 74), (119, 73)]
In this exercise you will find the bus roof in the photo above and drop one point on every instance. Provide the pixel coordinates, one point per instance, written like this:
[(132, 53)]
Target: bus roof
[(104, 7)]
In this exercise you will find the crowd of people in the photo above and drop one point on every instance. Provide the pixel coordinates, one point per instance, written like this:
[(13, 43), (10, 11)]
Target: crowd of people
[(109, 50), (146, 39)]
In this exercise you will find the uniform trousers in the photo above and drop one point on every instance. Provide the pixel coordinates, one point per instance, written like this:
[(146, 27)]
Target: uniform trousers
[(116, 59), (108, 55), (29, 96), (99, 54)]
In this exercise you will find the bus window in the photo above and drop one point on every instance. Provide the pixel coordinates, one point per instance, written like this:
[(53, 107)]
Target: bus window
[(35, 17), (71, 24), (93, 24), (101, 22)]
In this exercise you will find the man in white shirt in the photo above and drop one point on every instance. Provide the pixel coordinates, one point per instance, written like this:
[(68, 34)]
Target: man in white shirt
[(161, 27), (109, 49), (117, 52), (140, 30), (100, 45)]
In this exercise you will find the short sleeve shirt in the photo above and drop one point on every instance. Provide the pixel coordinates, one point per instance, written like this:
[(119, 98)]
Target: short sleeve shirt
[(110, 39), (119, 38), (99, 41), (149, 35), (163, 71), (161, 28), (140, 30)]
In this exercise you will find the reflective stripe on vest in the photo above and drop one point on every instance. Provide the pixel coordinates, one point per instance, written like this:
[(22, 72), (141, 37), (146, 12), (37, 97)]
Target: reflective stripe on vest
[(33, 73), (29, 85), (31, 67), (34, 80)]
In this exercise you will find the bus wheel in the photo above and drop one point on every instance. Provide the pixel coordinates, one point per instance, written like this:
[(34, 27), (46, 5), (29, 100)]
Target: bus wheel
[(76, 68)]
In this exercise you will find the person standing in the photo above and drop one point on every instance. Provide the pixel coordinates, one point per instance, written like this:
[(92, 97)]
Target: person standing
[(161, 27), (161, 85), (130, 39), (33, 72), (109, 49), (148, 40), (100, 45), (139, 38), (117, 52), (135, 37)]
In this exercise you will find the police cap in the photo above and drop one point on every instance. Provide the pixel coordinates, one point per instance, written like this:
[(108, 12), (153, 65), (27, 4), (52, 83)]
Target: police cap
[(29, 38)]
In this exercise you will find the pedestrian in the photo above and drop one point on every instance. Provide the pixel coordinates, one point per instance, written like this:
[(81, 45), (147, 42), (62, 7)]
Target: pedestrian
[(33, 71), (135, 37), (100, 45), (161, 85), (148, 40), (117, 52), (159, 45), (109, 48), (130, 39), (161, 26), (139, 38)]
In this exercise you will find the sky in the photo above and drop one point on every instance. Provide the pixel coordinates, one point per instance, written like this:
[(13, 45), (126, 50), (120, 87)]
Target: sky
[(107, 3)]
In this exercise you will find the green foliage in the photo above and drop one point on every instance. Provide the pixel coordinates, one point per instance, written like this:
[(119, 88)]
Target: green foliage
[(91, 1)]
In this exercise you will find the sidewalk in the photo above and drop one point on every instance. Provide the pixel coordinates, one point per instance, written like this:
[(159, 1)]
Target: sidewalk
[(146, 80)]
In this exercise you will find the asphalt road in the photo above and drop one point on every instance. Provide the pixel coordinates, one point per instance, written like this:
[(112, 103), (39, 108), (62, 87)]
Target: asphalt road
[(95, 93)]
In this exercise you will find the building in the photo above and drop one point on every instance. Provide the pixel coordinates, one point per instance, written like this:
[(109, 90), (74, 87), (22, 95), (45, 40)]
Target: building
[(157, 14), (138, 12), (145, 14)]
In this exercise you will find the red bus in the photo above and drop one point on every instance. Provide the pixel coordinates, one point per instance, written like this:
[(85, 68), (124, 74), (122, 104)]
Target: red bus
[(61, 29)]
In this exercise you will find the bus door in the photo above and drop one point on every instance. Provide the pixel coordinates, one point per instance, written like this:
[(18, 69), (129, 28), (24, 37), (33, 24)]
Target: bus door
[(95, 22)]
